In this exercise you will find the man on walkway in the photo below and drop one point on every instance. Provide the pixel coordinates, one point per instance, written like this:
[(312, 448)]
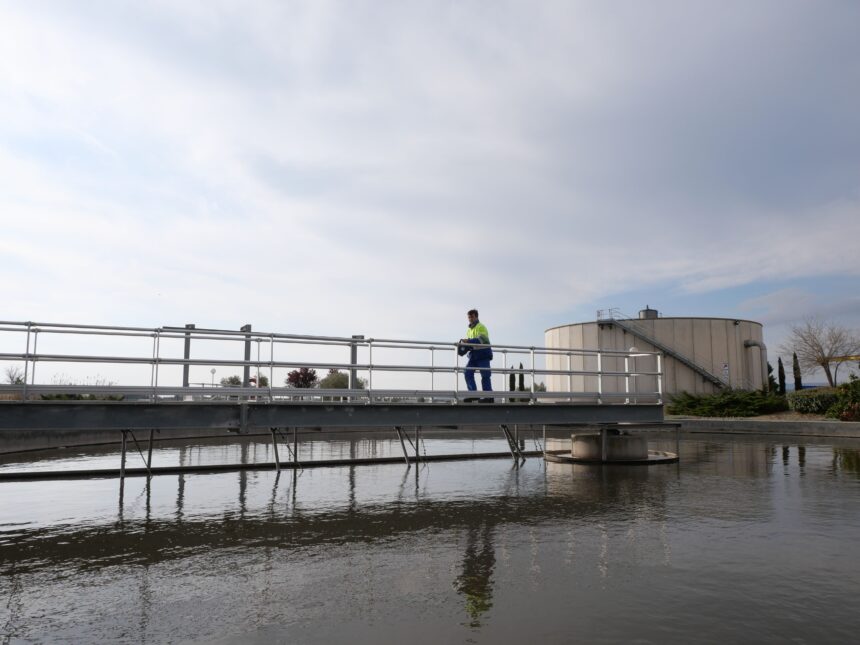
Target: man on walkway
[(479, 357)]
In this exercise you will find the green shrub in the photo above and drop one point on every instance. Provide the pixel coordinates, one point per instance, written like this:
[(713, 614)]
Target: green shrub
[(812, 401), (83, 397), (846, 406), (727, 403)]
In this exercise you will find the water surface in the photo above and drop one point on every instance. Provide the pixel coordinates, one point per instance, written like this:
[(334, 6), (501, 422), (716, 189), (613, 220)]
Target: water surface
[(749, 540)]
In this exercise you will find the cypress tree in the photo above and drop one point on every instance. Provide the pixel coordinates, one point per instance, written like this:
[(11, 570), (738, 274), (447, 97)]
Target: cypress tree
[(795, 366), (523, 384), (771, 381), (780, 372), (512, 382)]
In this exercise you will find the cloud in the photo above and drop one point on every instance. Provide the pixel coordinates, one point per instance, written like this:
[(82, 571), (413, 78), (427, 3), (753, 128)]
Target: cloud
[(381, 167)]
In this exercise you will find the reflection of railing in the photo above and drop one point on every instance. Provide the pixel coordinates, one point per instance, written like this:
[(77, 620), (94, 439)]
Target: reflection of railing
[(267, 344)]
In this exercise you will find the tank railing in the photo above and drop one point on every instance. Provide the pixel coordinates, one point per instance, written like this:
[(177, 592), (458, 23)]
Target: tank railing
[(156, 391)]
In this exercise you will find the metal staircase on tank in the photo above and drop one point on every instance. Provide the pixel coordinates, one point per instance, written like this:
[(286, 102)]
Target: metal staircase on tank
[(628, 325)]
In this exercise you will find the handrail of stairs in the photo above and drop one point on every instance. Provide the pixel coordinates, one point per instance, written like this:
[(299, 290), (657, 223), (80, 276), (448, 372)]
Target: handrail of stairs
[(632, 328)]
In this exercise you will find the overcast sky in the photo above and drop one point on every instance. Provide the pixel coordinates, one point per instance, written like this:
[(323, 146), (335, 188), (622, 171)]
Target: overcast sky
[(381, 167)]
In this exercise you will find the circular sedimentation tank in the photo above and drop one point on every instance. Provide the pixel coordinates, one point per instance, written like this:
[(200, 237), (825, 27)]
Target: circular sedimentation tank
[(699, 355)]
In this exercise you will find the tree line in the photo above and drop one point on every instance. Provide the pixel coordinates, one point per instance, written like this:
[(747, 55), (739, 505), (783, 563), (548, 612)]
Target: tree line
[(304, 378)]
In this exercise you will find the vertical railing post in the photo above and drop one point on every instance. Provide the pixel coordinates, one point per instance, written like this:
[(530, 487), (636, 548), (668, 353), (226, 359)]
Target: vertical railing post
[(432, 371), (533, 400), (659, 378), (35, 354), (627, 378), (635, 374), (271, 366), (505, 375), (370, 370), (157, 359), (186, 354), (156, 353), (570, 376), (26, 362), (259, 342), (599, 377), (246, 370), (353, 360), (456, 373)]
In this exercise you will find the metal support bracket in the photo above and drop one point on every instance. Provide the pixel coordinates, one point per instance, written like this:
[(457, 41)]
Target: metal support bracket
[(514, 447), (275, 448), (399, 432)]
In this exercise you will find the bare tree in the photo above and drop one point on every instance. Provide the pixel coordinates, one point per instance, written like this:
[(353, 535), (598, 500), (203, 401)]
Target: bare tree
[(818, 343), (14, 375)]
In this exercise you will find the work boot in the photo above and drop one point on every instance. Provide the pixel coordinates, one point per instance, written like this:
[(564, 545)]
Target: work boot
[(488, 400)]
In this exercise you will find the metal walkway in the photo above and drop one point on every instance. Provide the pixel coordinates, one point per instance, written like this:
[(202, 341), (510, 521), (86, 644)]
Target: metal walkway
[(149, 380)]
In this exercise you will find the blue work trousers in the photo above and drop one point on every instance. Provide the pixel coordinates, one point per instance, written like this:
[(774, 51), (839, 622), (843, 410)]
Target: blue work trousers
[(483, 365)]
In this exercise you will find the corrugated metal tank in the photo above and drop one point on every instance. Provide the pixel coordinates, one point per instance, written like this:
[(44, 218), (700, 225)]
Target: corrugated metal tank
[(696, 351)]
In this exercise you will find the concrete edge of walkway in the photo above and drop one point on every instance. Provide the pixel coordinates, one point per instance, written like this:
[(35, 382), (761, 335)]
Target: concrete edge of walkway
[(712, 425)]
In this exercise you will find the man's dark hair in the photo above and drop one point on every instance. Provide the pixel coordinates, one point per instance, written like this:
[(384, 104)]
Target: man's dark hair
[(472, 312)]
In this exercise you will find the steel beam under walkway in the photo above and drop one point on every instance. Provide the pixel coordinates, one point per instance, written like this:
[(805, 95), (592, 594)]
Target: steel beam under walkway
[(37, 416)]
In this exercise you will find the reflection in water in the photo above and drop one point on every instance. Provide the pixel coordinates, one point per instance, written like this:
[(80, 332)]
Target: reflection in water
[(396, 552), (145, 593), (14, 607), (475, 580), (846, 460), (180, 491)]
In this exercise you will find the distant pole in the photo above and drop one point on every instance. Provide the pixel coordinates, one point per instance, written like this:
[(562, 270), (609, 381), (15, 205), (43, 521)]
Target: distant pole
[(212, 371), (187, 355), (246, 373)]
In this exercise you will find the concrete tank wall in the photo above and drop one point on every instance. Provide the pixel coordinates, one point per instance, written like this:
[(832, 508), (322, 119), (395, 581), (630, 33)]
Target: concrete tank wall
[(715, 344)]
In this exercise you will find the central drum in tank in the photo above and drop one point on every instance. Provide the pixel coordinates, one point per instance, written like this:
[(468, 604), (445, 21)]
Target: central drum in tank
[(619, 447)]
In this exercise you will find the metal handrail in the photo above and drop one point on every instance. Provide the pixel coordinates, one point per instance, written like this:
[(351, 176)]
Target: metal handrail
[(383, 367), (31, 357), (180, 333)]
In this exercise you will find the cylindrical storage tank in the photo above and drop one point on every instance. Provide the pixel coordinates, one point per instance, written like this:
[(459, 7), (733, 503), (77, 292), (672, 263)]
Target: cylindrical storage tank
[(648, 313), (700, 355)]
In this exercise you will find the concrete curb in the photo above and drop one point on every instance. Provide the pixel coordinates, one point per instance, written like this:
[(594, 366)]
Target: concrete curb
[(776, 427)]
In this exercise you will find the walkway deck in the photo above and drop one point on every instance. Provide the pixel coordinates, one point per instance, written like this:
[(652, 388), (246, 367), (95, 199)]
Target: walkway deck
[(118, 415)]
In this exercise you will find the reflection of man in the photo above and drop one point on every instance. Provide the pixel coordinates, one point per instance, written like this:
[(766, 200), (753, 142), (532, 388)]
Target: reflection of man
[(479, 357), (476, 583)]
